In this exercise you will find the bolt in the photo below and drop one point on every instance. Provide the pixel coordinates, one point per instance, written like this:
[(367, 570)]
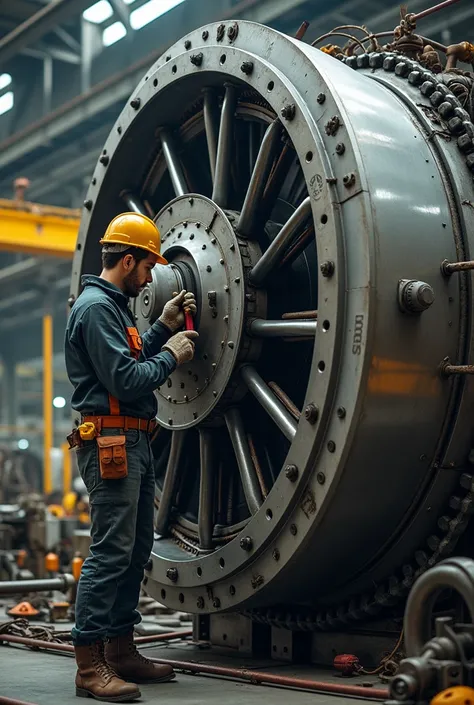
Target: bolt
[(221, 261), (220, 32), (185, 223), (331, 446), (213, 240), (135, 103), (191, 237), (170, 421), (311, 413), (321, 98), (216, 603), (341, 412), (119, 130), (226, 318), (149, 565), (104, 159), (198, 225), (233, 31), (288, 112), (321, 478), (205, 35), (214, 365), (94, 181), (200, 603), (170, 210), (293, 529), (291, 472), (276, 554), (327, 268), (349, 180), (168, 58), (226, 288), (214, 393), (230, 344), (204, 247), (190, 201), (237, 280), (196, 59), (208, 268), (340, 148), (172, 574), (186, 398), (247, 67), (187, 44), (88, 204), (246, 543), (232, 247)]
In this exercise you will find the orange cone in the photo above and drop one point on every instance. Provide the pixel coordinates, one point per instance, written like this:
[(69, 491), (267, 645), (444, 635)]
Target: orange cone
[(23, 609)]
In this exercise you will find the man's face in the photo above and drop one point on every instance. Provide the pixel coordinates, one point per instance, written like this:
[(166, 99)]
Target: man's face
[(139, 274)]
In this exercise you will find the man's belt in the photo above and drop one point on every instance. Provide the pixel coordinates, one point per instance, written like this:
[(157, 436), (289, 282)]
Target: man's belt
[(127, 423)]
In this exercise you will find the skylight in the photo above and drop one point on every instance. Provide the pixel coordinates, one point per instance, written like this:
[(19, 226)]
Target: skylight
[(5, 80), (99, 12), (113, 33), (151, 11), (6, 102)]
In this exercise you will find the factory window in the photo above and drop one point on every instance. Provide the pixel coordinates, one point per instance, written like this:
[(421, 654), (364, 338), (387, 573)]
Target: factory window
[(6, 102), (113, 33), (151, 11), (99, 12)]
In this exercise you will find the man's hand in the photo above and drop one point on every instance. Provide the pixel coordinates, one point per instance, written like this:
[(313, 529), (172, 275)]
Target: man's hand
[(181, 346), (173, 312)]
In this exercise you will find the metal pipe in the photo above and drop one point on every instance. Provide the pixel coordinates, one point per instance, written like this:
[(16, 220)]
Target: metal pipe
[(254, 677), (205, 513), (16, 587), (243, 455), (267, 399), (277, 329), (12, 701), (220, 192), (432, 10), (298, 315), (133, 203), (47, 402), (174, 165), (259, 178), (211, 122), (151, 638), (280, 244), (448, 268), (285, 400), (169, 484)]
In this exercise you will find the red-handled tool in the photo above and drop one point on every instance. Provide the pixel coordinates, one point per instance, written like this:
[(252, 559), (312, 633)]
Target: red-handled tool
[(188, 320)]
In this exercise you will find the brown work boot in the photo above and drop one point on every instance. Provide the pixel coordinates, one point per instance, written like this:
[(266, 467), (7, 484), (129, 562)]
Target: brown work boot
[(123, 656), (95, 678)]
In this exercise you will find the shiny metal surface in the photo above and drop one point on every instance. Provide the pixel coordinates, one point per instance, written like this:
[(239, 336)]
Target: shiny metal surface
[(382, 437)]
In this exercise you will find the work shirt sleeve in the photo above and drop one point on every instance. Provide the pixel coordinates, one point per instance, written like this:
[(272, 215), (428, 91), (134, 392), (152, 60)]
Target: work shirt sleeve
[(106, 345), (154, 339)]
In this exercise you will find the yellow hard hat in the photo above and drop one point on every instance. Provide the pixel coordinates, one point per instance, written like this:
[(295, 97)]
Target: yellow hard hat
[(134, 230)]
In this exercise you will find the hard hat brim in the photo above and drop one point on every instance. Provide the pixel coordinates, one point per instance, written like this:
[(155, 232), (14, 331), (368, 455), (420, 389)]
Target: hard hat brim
[(159, 258)]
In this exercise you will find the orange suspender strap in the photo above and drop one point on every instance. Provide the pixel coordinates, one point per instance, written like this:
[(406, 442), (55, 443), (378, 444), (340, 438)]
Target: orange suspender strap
[(135, 344)]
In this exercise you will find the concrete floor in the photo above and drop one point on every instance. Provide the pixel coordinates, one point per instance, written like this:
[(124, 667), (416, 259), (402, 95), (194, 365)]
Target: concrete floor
[(47, 679)]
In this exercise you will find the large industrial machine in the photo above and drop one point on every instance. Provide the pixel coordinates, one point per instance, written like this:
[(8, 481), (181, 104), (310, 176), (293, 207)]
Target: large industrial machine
[(316, 455)]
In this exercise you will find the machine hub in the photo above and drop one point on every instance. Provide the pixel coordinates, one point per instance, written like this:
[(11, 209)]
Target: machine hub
[(205, 256)]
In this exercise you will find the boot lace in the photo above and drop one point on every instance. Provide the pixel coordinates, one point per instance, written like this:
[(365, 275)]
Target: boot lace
[(134, 653), (100, 664)]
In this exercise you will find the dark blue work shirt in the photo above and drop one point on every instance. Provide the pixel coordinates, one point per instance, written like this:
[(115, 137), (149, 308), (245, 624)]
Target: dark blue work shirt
[(98, 357)]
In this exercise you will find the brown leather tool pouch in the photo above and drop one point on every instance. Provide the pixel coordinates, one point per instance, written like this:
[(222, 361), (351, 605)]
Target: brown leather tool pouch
[(112, 457)]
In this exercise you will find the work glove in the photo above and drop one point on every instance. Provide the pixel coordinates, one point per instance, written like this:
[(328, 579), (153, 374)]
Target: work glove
[(173, 312), (181, 346)]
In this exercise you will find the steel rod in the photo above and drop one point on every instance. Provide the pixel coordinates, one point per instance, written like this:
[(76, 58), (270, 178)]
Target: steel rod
[(276, 329), (432, 10), (12, 701), (169, 484), (261, 171), (298, 315), (16, 587), (258, 469), (269, 402), (280, 244), (285, 400), (298, 246), (174, 165), (254, 677), (248, 475), (211, 122), (134, 204), (205, 513), (451, 267), (220, 192)]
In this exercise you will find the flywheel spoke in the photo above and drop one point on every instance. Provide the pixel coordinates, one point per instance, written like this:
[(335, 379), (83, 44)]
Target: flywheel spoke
[(277, 249), (245, 463), (269, 402), (206, 488), (174, 164), (170, 481), (282, 329), (211, 122), (220, 192), (135, 204), (263, 165)]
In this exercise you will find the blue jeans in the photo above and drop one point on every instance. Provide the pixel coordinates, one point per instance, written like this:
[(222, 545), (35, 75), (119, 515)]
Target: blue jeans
[(122, 539)]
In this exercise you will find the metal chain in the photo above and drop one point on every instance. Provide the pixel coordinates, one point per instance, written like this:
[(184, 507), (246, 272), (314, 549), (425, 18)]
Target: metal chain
[(389, 593)]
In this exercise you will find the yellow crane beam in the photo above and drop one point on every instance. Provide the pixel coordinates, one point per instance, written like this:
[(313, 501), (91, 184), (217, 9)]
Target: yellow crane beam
[(38, 230)]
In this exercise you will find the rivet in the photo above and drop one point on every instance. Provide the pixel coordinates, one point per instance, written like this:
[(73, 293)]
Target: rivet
[(349, 180), (291, 472), (170, 210), (191, 237), (104, 159), (222, 343), (186, 398), (172, 574), (205, 35), (190, 201), (198, 225), (321, 478), (221, 261), (216, 603), (214, 365), (196, 59), (169, 398), (195, 415), (94, 181), (341, 412), (214, 393), (311, 413), (170, 421), (208, 268), (232, 247), (276, 554), (179, 235), (185, 224), (200, 603), (331, 446), (237, 280), (187, 44), (246, 543), (226, 288), (288, 112), (226, 318), (119, 130), (88, 204), (327, 268), (213, 240), (321, 98), (340, 148), (135, 103), (293, 529), (203, 247), (247, 67), (230, 344)]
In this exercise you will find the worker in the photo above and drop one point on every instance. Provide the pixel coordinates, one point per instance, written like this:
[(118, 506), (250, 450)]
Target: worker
[(114, 372)]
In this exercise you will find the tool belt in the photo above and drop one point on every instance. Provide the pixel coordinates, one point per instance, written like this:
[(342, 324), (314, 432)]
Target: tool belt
[(127, 423)]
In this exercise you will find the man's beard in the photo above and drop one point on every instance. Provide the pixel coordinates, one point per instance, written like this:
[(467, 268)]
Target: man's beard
[(132, 284)]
